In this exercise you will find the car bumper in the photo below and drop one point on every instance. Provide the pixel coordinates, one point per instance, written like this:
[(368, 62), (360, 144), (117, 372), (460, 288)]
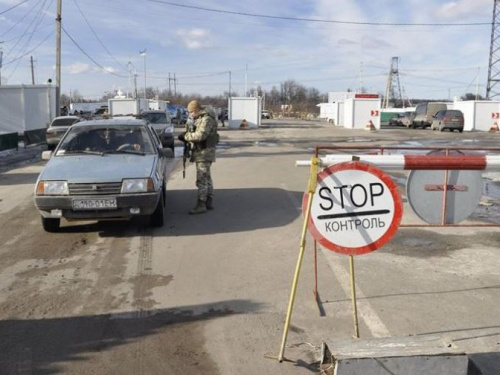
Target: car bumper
[(128, 205)]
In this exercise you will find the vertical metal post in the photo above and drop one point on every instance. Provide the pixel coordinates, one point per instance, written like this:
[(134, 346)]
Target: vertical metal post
[(353, 297), (32, 71), (58, 55), (311, 190), (145, 75)]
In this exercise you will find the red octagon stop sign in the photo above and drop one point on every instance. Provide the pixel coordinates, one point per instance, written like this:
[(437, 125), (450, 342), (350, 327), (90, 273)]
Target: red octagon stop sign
[(356, 208)]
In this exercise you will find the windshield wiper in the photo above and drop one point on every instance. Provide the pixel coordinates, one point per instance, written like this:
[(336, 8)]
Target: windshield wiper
[(88, 152), (136, 152)]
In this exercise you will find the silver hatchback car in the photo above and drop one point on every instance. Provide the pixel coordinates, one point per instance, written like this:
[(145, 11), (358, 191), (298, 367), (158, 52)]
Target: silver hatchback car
[(103, 169)]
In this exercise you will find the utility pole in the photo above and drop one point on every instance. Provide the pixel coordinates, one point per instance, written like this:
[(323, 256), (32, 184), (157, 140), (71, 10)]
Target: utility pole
[(393, 89), (169, 89), (246, 78), (32, 71), (58, 55), (175, 85), (1, 56), (229, 94), (494, 63)]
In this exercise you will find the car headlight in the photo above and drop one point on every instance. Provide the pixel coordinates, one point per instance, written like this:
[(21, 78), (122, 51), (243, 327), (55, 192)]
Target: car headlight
[(137, 185), (168, 130), (52, 188)]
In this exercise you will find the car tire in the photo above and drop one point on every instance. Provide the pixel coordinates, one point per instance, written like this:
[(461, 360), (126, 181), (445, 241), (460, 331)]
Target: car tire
[(51, 225), (157, 219), (460, 130)]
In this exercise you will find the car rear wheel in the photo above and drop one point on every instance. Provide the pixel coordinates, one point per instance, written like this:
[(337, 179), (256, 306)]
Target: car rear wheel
[(156, 219), (51, 225)]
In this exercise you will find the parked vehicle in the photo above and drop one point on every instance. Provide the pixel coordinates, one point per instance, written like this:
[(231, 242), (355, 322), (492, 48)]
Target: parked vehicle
[(396, 120), (448, 119), (425, 112), (162, 124), (407, 118), (266, 114), (57, 128), (103, 169)]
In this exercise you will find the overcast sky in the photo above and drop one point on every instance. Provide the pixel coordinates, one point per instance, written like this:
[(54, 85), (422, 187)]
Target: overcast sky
[(332, 45)]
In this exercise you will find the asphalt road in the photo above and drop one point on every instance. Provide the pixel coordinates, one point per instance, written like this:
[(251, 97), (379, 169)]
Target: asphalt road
[(208, 294)]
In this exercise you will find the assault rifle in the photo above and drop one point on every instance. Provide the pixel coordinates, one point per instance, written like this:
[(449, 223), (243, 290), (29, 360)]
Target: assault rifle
[(188, 153)]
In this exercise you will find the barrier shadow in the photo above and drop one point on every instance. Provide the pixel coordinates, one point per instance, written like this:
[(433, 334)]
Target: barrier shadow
[(41, 346)]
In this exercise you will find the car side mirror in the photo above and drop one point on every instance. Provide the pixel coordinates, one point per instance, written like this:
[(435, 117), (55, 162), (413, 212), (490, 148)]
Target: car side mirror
[(46, 155)]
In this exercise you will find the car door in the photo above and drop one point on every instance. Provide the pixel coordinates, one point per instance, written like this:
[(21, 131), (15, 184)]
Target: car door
[(161, 166)]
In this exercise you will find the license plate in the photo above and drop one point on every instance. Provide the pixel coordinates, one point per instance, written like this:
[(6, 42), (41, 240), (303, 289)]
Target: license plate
[(94, 204)]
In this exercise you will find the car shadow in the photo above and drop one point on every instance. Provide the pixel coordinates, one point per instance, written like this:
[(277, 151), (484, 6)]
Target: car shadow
[(41, 346), (236, 210), (9, 179)]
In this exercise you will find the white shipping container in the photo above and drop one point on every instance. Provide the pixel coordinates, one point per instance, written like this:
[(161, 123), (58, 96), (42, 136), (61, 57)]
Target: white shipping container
[(479, 115), (244, 108), (26, 107), (357, 113), (124, 107)]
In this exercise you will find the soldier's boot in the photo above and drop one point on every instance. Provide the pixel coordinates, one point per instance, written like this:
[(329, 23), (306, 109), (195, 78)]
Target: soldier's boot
[(210, 203), (200, 208)]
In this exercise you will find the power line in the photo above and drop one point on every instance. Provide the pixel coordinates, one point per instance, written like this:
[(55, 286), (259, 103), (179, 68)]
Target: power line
[(97, 37), (13, 7), (27, 53), (89, 57), (316, 19)]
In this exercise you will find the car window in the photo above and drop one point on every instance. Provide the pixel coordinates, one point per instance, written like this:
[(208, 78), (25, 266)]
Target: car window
[(107, 138), (64, 121), (156, 118)]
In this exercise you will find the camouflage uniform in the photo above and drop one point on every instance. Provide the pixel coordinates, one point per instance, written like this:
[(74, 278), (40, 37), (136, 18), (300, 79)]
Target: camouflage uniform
[(204, 138)]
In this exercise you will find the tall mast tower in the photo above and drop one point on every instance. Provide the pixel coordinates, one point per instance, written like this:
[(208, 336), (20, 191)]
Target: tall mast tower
[(492, 90), (393, 89)]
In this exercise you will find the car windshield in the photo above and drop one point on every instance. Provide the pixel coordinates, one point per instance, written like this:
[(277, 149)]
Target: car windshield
[(156, 118), (106, 139), (63, 121)]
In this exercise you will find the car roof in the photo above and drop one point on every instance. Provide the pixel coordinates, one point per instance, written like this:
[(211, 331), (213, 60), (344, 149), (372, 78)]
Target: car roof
[(112, 122), (153, 111), (66, 117)]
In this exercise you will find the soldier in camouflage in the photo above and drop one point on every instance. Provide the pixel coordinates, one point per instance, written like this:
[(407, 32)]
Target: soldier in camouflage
[(203, 136)]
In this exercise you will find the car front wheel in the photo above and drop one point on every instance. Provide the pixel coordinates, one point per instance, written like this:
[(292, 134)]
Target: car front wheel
[(51, 225), (156, 219)]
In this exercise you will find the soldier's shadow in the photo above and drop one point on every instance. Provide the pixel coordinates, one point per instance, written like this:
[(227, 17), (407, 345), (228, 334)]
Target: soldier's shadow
[(235, 210)]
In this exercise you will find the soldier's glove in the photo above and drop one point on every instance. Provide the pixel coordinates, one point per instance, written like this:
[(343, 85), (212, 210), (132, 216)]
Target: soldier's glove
[(182, 137)]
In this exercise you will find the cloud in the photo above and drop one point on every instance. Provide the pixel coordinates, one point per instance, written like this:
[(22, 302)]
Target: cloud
[(458, 10), (77, 68), (194, 38)]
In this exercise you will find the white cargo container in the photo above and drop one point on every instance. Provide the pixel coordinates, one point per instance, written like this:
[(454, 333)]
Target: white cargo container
[(358, 111), (329, 111), (127, 106), (158, 105), (243, 108), (26, 107), (479, 114)]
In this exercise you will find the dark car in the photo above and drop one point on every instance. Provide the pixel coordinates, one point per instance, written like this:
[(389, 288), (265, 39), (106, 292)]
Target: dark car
[(449, 119), (101, 170), (57, 128), (162, 124)]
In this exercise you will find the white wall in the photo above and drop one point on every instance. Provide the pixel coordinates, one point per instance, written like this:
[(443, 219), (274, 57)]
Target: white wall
[(244, 108), (478, 114), (357, 113), (26, 107)]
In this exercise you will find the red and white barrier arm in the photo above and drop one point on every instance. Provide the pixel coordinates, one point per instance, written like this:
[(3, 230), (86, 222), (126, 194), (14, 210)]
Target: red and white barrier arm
[(416, 162)]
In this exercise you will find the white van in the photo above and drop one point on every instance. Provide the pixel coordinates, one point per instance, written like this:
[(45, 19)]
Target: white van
[(424, 113)]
